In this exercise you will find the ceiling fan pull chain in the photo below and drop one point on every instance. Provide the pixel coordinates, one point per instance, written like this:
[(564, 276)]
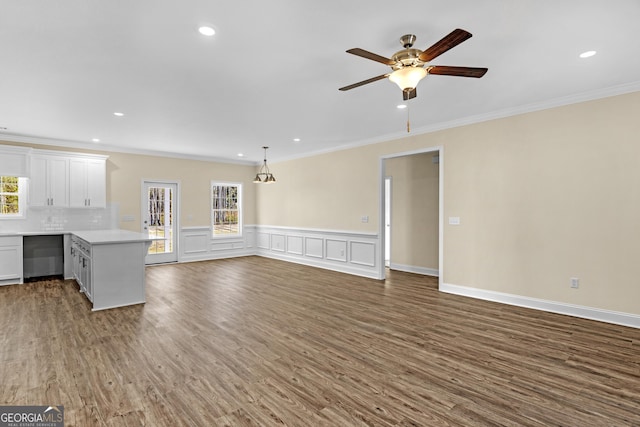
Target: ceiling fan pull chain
[(408, 122)]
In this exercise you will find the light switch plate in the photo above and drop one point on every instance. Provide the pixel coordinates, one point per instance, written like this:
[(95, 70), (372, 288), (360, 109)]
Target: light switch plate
[(454, 220)]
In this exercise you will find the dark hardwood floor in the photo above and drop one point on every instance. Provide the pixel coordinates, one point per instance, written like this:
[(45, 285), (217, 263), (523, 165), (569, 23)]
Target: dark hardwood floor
[(254, 341)]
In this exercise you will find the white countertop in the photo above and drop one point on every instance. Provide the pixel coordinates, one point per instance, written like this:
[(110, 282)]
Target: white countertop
[(94, 237), (97, 237)]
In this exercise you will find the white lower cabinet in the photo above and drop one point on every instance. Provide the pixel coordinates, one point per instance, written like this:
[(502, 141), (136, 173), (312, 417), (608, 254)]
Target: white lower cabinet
[(11, 271), (81, 259)]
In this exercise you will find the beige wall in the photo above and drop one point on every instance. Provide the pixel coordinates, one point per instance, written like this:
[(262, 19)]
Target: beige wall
[(542, 197), (330, 191), (414, 210), (125, 173)]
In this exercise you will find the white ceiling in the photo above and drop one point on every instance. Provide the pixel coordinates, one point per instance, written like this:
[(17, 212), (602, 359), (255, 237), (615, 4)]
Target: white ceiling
[(272, 71)]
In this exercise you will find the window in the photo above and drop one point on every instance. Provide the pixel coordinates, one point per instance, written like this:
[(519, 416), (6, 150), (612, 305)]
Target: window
[(226, 211), (12, 197)]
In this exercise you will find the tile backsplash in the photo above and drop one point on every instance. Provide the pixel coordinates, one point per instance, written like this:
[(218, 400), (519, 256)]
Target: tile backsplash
[(63, 219)]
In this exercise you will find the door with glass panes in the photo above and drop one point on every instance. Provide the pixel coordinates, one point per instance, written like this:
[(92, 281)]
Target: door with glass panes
[(159, 209)]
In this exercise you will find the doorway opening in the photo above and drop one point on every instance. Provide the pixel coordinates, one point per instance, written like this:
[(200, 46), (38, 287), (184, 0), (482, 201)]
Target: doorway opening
[(411, 212)]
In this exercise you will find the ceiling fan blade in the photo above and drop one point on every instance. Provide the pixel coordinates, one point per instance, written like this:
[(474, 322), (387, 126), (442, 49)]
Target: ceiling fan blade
[(444, 70), (364, 82), (454, 38), (408, 94), (369, 55)]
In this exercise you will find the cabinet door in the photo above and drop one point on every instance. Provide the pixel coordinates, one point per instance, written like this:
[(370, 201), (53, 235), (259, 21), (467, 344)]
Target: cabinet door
[(38, 191), (10, 259), (49, 181), (87, 183), (77, 183), (58, 174), (96, 183)]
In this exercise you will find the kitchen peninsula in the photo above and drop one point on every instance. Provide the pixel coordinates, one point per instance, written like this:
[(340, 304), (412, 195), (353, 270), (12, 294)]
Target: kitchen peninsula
[(109, 266)]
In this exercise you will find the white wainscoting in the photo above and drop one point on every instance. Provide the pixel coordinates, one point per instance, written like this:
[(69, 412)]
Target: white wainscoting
[(344, 251), (196, 244)]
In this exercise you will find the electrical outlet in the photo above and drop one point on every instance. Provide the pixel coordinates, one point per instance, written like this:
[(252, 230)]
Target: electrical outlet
[(575, 282)]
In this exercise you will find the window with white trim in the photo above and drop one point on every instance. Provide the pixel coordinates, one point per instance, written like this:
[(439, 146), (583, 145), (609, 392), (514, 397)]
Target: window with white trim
[(12, 197), (226, 209)]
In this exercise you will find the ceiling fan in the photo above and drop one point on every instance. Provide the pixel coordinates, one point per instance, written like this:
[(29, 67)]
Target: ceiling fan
[(412, 65)]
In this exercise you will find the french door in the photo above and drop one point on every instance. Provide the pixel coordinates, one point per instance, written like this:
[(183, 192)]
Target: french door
[(159, 210)]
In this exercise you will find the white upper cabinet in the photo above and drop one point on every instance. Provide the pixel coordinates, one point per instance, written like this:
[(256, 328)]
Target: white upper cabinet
[(14, 161), (58, 178), (87, 182), (49, 184)]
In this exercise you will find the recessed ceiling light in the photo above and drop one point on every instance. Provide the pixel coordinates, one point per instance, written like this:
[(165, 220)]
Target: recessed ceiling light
[(206, 31), (240, 155), (401, 106), (587, 54), (95, 139), (296, 139), (119, 114)]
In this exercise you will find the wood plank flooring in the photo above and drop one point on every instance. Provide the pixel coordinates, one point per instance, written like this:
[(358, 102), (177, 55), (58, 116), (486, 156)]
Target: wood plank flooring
[(254, 341)]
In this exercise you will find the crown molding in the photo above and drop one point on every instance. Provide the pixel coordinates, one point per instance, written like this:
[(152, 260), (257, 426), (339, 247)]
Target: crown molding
[(8, 137), (493, 115)]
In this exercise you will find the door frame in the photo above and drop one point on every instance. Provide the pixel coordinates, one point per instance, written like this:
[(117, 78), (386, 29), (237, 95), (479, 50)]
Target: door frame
[(388, 215), (382, 207), (176, 211)]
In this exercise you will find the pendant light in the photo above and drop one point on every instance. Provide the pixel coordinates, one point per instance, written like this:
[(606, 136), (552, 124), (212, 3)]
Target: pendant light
[(264, 176)]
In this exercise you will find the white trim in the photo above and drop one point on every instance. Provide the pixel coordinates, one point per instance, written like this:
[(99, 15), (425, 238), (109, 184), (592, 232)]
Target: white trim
[(116, 149), (332, 249), (176, 213), (222, 183), (479, 118), (425, 271), (197, 244), (319, 230), (381, 206), (592, 313), (498, 114)]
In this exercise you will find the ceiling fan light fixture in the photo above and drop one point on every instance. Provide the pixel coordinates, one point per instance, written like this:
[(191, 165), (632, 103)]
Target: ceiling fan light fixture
[(206, 31), (408, 77)]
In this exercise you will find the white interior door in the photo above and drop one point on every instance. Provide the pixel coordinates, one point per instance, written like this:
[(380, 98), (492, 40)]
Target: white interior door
[(159, 207)]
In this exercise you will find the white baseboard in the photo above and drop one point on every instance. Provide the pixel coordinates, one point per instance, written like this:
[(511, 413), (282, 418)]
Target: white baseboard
[(618, 318), (415, 269)]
